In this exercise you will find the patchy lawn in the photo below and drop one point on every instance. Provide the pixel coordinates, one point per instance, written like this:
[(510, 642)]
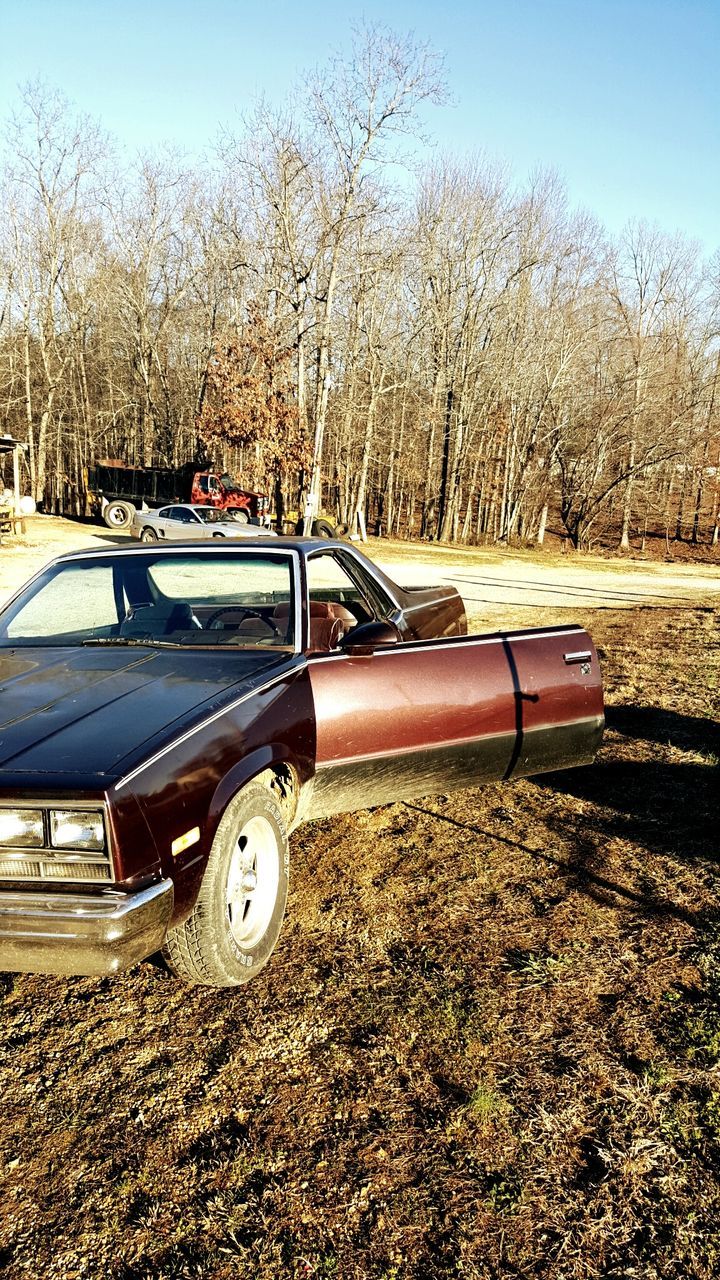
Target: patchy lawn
[(487, 1046)]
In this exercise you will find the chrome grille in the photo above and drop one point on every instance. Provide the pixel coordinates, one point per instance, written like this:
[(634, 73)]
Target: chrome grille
[(48, 866)]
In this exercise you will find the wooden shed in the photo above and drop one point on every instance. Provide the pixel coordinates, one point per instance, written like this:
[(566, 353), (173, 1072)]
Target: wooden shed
[(10, 515)]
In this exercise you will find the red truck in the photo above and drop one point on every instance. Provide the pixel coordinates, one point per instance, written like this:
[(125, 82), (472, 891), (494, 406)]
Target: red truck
[(116, 491)]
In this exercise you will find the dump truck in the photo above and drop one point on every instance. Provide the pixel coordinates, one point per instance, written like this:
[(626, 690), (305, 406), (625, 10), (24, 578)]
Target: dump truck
[(116, 491)]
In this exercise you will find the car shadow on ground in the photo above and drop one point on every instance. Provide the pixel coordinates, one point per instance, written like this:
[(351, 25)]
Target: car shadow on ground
[(665, 806), (655, 724), (660, 806), (577, 870)]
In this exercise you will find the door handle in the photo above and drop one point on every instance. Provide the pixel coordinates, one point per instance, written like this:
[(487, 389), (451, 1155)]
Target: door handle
[(580, 655)]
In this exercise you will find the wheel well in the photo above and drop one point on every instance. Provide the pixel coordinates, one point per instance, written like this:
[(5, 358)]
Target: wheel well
[(283, 782)]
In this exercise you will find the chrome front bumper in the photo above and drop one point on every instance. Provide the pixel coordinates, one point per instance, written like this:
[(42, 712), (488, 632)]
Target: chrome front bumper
[(82, 934)]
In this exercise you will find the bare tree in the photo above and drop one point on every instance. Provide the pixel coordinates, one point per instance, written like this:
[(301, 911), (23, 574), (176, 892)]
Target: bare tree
[(462, 356), (54, 156)]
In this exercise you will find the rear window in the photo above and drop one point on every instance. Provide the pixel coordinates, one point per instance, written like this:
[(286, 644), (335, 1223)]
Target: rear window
[(237, 579)]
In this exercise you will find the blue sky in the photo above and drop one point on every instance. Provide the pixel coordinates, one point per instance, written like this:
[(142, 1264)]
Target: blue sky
[(621, 98)]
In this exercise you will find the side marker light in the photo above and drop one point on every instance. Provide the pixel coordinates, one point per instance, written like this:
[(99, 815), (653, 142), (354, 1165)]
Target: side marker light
[(184, 842)]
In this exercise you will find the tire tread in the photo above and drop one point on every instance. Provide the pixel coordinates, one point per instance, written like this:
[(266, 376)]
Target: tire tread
[(191, 948)]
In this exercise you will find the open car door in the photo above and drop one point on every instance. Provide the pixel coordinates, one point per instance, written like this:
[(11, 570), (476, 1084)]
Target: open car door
[(423, 717)]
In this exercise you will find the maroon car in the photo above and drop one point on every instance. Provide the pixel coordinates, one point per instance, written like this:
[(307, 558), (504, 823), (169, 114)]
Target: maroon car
[(169, 713)]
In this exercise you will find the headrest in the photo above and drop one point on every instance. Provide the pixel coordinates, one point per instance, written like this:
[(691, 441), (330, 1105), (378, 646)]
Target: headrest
[(321, 609), (318, 609), (158, 619)]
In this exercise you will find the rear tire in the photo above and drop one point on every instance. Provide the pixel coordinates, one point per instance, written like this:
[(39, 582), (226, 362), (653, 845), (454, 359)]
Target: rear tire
[(232, 930), (118, 515)]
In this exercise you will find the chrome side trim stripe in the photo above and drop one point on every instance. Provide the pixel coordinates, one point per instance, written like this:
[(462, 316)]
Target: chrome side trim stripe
[(594, 722), (454, 642), (342, 786)]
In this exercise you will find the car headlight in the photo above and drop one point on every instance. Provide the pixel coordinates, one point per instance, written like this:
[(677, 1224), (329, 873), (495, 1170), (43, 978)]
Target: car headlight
[(22, 828), (77, 829)]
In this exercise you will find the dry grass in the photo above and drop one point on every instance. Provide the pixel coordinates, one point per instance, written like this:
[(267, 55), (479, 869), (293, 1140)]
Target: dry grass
[(487, 1046)]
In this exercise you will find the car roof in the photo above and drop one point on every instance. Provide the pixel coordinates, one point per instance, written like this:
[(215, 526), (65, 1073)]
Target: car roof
[(185, 506), (299, 544), (261, 543)]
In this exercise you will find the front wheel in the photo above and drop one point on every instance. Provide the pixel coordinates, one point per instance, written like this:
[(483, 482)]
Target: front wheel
[(148, 535), (232, 930)]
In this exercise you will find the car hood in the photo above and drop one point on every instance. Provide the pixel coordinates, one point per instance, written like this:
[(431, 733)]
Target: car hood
[(81, 711)]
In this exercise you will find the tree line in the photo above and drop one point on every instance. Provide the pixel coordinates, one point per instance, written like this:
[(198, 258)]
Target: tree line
[(449, 352)]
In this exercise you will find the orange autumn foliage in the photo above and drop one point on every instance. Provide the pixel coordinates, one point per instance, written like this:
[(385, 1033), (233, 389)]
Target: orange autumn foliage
[(250, 400)]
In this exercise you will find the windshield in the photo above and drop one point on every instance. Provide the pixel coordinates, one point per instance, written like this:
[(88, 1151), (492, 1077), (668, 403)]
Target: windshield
[(212, 515), (228, 483), (187, 598)]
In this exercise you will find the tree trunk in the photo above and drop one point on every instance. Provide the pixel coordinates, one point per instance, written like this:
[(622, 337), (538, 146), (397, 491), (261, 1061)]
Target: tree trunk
[(29, 414), (627, 500), (443, 502), (542, 525)]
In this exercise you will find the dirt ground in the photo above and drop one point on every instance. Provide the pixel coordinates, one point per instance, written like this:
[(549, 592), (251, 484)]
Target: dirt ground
[(488, 1045)]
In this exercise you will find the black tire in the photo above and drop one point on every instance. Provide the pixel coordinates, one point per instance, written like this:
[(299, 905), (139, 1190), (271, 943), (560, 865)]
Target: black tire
[(118, 515), (323, 529), (232, 930), (148, 535)]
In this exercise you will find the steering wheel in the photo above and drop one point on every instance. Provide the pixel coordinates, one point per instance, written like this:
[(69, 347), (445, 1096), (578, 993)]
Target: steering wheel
[(246, 613)]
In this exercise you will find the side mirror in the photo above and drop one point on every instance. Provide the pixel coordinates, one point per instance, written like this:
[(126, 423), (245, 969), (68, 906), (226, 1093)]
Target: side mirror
[(363, 640)]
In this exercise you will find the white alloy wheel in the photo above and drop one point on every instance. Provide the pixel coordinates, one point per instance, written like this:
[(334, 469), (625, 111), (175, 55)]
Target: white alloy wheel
[(253, 879)]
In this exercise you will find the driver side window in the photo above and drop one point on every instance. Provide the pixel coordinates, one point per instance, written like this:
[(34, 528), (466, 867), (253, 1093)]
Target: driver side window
[(328, 581), (336, 605)]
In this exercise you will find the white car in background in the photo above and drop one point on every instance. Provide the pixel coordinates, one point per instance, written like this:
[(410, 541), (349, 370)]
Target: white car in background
[(184, 520)]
